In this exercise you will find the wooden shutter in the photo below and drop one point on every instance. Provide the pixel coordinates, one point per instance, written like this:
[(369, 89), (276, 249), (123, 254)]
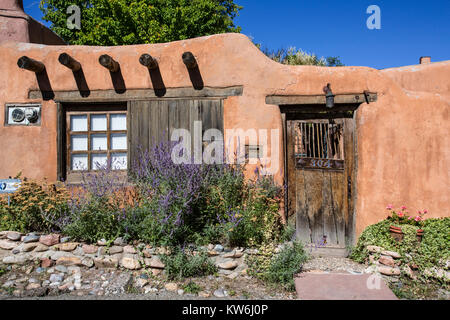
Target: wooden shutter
[(150, 122)]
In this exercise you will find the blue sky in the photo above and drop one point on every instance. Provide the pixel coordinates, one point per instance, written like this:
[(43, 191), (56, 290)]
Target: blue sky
[(409, 28)]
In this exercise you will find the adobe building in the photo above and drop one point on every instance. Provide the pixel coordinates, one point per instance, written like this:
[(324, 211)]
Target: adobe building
[(345, 151)]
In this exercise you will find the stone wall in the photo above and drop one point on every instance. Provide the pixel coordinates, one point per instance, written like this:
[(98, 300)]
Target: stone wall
[(52, 250), (389, 264)]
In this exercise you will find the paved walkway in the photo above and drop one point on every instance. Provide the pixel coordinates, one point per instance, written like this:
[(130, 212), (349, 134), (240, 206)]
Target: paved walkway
[(331, 278)]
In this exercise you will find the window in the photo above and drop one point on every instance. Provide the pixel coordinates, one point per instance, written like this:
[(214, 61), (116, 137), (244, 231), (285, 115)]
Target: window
[(319, 144), (96, 139)]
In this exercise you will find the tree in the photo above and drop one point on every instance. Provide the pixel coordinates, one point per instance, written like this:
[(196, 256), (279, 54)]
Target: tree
[(122, 22), (292, 56)]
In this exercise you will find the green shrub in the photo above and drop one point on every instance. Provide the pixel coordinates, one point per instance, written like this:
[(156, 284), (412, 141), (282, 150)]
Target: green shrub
[(35, 206), (184, 264), (278, 269), (430, 252), (192, 287)]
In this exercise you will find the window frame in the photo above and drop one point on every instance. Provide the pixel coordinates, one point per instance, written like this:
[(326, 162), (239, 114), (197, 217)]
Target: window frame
[(76, 176)]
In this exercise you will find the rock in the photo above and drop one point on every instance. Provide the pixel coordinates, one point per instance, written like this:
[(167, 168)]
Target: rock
[(213, 253), (55, 255), (40, 270), (171, 286), (13, 235), (102, 242), (29, 269), (148, 253), (389, 271), (238, 254), (50, 240), (204, 294), (61, 268), (229, 254), (218, 248), (40, 248), (16, 259), (210, 246), (373, 260), (180, 292), (407, 270), (140, 283), (69, 261), (228, 265), (7, 244), (27, 247), (31, 238), (154, 262), (156, 272), (149, 289), (106, 262), (437, 273), (129, 249), (391, 253), (33, 286), (220, 293), (129, 262), (8, 284), (18, 249), (120, 283), (387, 261), (87, 262), (119, 241), (56, 277), (233, 275), (374, 249), (112, 250), (46, 263), (68, 246), (89, 249), (65, 239)]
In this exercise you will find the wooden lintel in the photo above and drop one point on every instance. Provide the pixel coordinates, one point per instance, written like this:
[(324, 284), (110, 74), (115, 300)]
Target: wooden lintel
[(139, 94), (348, 98)]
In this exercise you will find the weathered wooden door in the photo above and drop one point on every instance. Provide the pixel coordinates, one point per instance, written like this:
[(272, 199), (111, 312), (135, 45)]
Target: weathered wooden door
[(320, 175)]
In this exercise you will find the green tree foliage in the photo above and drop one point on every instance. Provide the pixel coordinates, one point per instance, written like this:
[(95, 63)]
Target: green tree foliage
[(292, 56), (123, 22)]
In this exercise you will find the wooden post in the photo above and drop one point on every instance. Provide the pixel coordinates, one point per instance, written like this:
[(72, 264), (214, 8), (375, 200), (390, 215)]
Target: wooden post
[(30, 64), (109, 63), (148, 61), (69, 62), (189, 60)]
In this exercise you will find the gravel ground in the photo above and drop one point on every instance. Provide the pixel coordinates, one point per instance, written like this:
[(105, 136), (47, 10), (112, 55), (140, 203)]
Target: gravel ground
[(333, 264)]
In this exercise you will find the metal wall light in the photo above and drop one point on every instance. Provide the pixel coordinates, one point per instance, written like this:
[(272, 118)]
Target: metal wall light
[(329, 96)]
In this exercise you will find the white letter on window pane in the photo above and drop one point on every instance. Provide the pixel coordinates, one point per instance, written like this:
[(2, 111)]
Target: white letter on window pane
[(99, 142), (118, 141), (119, 161), (98, 161), (118, 122), (78, 123), (98, 122), (79, 162), (79, 142)]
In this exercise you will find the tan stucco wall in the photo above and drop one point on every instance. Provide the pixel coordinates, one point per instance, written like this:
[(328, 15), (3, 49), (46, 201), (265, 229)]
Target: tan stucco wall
[(402, 139)]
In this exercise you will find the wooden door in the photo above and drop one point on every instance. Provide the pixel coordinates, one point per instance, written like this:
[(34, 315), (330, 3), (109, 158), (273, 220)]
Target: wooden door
[(320, 175)]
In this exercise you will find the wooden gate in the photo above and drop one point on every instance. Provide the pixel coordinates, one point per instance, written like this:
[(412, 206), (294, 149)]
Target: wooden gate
[(320, 164)]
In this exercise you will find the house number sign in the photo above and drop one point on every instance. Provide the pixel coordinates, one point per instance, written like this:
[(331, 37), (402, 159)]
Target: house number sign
[(315, 163)]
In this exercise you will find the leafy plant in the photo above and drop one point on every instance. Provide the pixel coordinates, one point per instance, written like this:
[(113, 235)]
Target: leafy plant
[(183, 263), (35, 206), (280, 268), (192, 287)]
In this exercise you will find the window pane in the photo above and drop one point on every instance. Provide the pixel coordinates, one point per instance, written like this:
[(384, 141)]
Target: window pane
[(98, 122), (99, 142), (118, 122), (118, 141), (119, 161), (79, 142), (78, 122), (98, 161), (79, 162)]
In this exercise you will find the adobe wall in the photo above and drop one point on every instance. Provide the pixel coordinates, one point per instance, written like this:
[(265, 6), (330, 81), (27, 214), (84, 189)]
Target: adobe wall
[(402, 139)]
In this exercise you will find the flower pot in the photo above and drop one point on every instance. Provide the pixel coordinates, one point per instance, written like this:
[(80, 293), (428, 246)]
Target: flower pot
[(419, 234), (396, 233)]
